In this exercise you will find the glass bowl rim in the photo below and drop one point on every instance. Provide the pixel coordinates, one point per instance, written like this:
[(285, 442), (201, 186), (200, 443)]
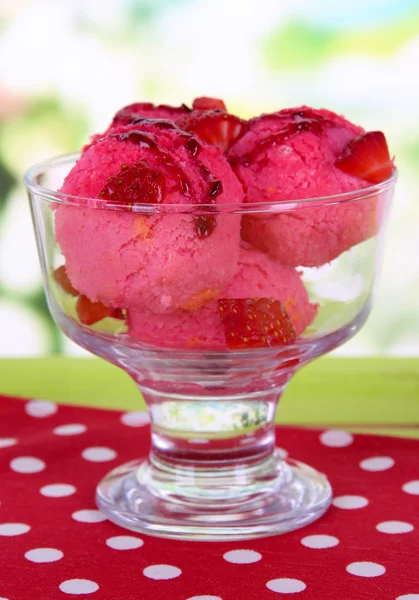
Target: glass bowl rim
[(230, 208)]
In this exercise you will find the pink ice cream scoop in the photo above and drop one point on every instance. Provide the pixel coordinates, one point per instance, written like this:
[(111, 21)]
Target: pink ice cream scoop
[(156, 262), (290, 155), (257, 276), (147, 110), (133, 113), (129, 114)]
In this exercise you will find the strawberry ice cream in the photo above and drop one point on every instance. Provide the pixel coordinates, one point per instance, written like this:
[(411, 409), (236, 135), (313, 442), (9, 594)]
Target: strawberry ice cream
[(258, 276), (138, 248), (290, 155), (155, 262), (146, 110)]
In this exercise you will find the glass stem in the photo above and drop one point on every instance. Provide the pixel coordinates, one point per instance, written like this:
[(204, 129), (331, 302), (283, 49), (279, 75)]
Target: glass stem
[(212, 447)]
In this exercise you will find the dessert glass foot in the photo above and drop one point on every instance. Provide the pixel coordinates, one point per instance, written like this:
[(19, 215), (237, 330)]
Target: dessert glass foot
[(221, 503)]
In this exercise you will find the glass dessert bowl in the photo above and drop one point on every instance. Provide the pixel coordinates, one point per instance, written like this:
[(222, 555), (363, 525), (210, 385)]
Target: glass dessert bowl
[(211, 328)]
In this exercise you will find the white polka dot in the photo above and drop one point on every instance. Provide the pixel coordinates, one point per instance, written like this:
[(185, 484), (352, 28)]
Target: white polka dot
[(198, 441), (242, 557), (5, 443), (40, 408), (10, 529), (98, 454), (334, 438), (411, 487), (282, 453), (405, 597), (350, 502), (366, 569), (286, 586), (161, 572), (58, 490), (202, 598), (377, 463), (395, 527), (78, 586), (88, 516), (135, 419), (44, 555), (320, 541), (124, 542), (70, 429), (27, 464)]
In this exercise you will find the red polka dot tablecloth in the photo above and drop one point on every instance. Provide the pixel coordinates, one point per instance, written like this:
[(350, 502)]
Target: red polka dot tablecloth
[(54, 544)]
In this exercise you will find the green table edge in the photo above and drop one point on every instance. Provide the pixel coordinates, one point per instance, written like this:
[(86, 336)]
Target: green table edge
[(379, 395)]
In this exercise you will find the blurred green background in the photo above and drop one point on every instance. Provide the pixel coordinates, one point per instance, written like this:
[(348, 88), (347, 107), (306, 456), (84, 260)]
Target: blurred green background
[(67, 65)]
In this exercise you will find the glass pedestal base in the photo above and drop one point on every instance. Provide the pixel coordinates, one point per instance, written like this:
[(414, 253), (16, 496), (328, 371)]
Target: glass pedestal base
[(271, 497)]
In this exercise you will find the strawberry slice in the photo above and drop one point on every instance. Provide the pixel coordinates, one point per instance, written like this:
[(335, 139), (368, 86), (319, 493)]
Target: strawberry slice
[(91, 312), (61, 277), (205, 103), (118, 313), (255, 323), (367, 157), (214, 127), (136, 183), (205, 225)]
